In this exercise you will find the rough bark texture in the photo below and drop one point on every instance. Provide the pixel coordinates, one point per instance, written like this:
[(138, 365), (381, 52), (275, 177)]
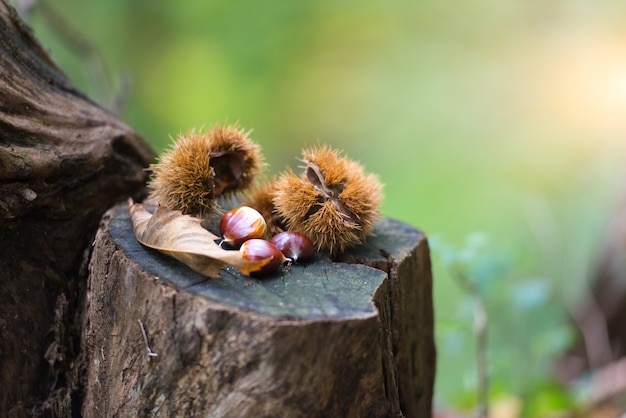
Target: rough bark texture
[(324, 339), (63, 161)]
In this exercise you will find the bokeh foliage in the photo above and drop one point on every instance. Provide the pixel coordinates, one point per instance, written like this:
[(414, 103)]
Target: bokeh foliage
[(498, 116)]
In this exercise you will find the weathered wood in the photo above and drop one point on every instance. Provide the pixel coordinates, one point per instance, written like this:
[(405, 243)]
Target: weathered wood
[(63, 161), (323, 339)]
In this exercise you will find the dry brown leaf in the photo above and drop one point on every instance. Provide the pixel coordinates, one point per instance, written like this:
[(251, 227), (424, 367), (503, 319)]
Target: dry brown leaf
[(182, 237)]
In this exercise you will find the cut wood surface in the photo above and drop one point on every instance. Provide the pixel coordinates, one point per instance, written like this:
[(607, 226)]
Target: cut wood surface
[(64, 160), (329, 338)]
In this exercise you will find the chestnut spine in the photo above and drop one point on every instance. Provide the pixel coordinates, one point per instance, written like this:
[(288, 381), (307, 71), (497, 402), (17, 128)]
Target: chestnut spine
[(201, 166), (334, 202)]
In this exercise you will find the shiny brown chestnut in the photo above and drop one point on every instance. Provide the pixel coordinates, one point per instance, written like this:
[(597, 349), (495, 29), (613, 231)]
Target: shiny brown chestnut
[(294, 245), (258, 249), (241, 224)]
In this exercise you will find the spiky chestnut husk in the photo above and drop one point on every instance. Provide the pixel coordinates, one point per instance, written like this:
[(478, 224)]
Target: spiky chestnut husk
[(236, 159), (202, 166), (260, 197), (335, 203)]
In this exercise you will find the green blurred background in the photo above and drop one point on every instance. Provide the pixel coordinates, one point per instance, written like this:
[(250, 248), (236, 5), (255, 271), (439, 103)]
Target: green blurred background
[(504, 117)]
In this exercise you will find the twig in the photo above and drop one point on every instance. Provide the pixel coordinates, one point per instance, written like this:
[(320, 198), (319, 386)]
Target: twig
[(145, 339), (591, 321), (480, 332), (609, 381), (607, 388), (593, 326)]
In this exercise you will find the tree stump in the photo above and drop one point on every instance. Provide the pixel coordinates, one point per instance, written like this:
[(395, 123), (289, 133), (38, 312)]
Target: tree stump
[(346, 338), (63, 161)]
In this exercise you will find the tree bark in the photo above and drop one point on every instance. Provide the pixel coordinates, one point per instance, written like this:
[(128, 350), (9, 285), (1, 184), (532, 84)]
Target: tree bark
[(323, 339), (63, 161)]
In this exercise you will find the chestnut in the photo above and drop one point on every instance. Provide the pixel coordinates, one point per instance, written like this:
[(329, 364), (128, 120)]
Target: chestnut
[(259, 249), (294, 245), (241, 224)]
